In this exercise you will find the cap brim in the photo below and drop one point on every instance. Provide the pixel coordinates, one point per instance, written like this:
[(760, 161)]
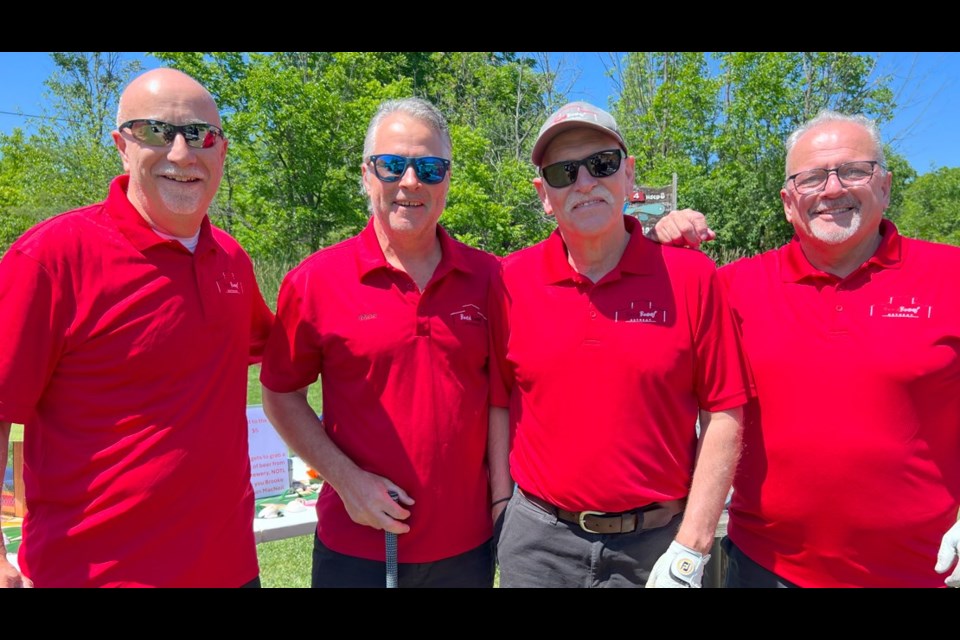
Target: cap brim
[(544, 141)]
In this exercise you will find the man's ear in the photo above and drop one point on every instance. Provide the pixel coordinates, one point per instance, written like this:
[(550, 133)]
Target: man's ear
[(788, 204), (365, 177), (542, 193), (121, 144)]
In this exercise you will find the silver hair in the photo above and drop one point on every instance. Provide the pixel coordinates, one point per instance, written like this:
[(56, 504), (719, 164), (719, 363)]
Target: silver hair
[(825, 116), (416, 108)]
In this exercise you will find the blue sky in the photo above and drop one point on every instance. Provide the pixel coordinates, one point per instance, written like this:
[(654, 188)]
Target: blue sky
[(926, 129)]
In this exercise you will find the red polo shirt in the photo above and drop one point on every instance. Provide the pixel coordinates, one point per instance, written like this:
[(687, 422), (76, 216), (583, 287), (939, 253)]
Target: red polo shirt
[(405, 385), (850, 475), (608, 378), (125, 356)]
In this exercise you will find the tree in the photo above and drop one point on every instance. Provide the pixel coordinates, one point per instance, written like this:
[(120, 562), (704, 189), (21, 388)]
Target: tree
[(721, 123), (70, 159), (931, 207), (297, 120)]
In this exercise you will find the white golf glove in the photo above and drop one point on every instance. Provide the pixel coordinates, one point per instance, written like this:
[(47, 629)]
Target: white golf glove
[(948, 554), (680, 567)]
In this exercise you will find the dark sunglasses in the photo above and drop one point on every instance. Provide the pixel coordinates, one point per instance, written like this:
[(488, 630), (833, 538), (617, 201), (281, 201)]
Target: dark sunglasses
[(390, 168), (156, 133), (600, 165)]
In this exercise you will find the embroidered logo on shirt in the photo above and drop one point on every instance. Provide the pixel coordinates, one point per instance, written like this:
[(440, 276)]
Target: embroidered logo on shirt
[(901, 307), (366, 316), (641, 311), (469, 313), (229, 283)]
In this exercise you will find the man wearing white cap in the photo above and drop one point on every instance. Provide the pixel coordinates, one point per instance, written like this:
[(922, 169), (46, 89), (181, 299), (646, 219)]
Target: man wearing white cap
[(610, 494)]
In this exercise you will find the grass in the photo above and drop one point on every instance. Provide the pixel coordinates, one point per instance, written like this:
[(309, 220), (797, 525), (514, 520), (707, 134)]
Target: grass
[(286, 563)]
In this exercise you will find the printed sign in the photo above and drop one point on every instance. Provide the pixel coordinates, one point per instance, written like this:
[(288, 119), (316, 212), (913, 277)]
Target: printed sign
[(269, 459), (649, 204)]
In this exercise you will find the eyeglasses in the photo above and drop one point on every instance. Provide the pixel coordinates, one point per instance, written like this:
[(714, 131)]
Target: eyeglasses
[(390, 168), (600, 165), (156, 133), (850, 174)]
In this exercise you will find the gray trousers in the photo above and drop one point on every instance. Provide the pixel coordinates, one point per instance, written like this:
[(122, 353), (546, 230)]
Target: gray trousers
[(537, 550)]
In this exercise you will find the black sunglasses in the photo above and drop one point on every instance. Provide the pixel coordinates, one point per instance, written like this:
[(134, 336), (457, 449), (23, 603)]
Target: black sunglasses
[(600, 165), (390, 168), (157, 133)]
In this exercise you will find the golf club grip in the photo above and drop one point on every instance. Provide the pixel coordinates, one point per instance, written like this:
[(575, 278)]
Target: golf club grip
[(390, 539)]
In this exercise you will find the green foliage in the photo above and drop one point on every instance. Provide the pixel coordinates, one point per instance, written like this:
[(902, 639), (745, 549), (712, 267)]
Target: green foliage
[(931, 207), (296, 123), (69, 161), (721, 125), (297, 120)]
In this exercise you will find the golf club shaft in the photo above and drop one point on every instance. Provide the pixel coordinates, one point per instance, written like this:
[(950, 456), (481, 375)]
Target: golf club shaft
[(390, 539)]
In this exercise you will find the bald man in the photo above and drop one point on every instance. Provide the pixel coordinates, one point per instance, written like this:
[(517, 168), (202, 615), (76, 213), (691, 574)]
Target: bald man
[(125, 357)]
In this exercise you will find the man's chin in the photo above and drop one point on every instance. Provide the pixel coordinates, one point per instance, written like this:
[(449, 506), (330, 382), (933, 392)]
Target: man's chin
[(834, 233)]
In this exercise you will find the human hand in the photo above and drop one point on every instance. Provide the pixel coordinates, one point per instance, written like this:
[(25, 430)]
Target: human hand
[(948, 554), (683, 228), (680, 567), (10, 578), (368, 502)]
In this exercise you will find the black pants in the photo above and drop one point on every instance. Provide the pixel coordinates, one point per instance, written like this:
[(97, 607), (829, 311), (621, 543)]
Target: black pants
[(472, 569), (744, 573)]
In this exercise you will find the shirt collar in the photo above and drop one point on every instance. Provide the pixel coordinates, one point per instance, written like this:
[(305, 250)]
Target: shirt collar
[(638, 257), (370, 255), (889, 255), (136, 229)]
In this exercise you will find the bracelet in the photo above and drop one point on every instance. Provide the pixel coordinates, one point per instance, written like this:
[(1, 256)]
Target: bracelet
[(496, 502)]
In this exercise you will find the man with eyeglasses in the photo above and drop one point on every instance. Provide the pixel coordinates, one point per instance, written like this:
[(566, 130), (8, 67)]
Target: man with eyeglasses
[(850, 474), (394, 321), (129, 329), (611, 492)]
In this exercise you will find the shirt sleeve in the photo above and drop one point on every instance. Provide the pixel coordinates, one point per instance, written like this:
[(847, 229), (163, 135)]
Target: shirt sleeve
[(293, 355), (723, 378), (33, 330)]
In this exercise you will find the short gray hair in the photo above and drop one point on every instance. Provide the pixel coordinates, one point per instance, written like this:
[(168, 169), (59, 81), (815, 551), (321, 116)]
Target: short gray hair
[(826, 116), (416, 108)]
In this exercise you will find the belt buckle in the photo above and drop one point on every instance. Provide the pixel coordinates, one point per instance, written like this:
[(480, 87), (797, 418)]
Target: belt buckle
[(584, 514)]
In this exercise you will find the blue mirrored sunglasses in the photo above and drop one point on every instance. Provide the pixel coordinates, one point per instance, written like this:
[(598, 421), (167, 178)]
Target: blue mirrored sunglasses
[(390, 168)]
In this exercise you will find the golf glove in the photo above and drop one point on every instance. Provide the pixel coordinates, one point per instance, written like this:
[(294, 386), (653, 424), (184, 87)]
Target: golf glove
[(948, 554), (680, 567)]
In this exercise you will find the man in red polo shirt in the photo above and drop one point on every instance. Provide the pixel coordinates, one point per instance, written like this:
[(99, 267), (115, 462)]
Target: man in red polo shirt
[(850, 473), (394, 321), (128, 329), (612, 493)]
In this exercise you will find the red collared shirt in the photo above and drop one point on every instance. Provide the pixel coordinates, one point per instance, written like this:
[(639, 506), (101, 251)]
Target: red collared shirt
[(405, 385), (850, 475), (608, 378), (125, 356)]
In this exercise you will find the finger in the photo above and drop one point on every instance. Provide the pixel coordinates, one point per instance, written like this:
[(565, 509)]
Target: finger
[(692, 236), (402, 495), (695, 224), (945, 556), (953, 580), (666, 232), (395, 526)]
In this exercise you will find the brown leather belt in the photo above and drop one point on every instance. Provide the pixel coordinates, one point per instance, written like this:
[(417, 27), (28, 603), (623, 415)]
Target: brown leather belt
[(652, 516)]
